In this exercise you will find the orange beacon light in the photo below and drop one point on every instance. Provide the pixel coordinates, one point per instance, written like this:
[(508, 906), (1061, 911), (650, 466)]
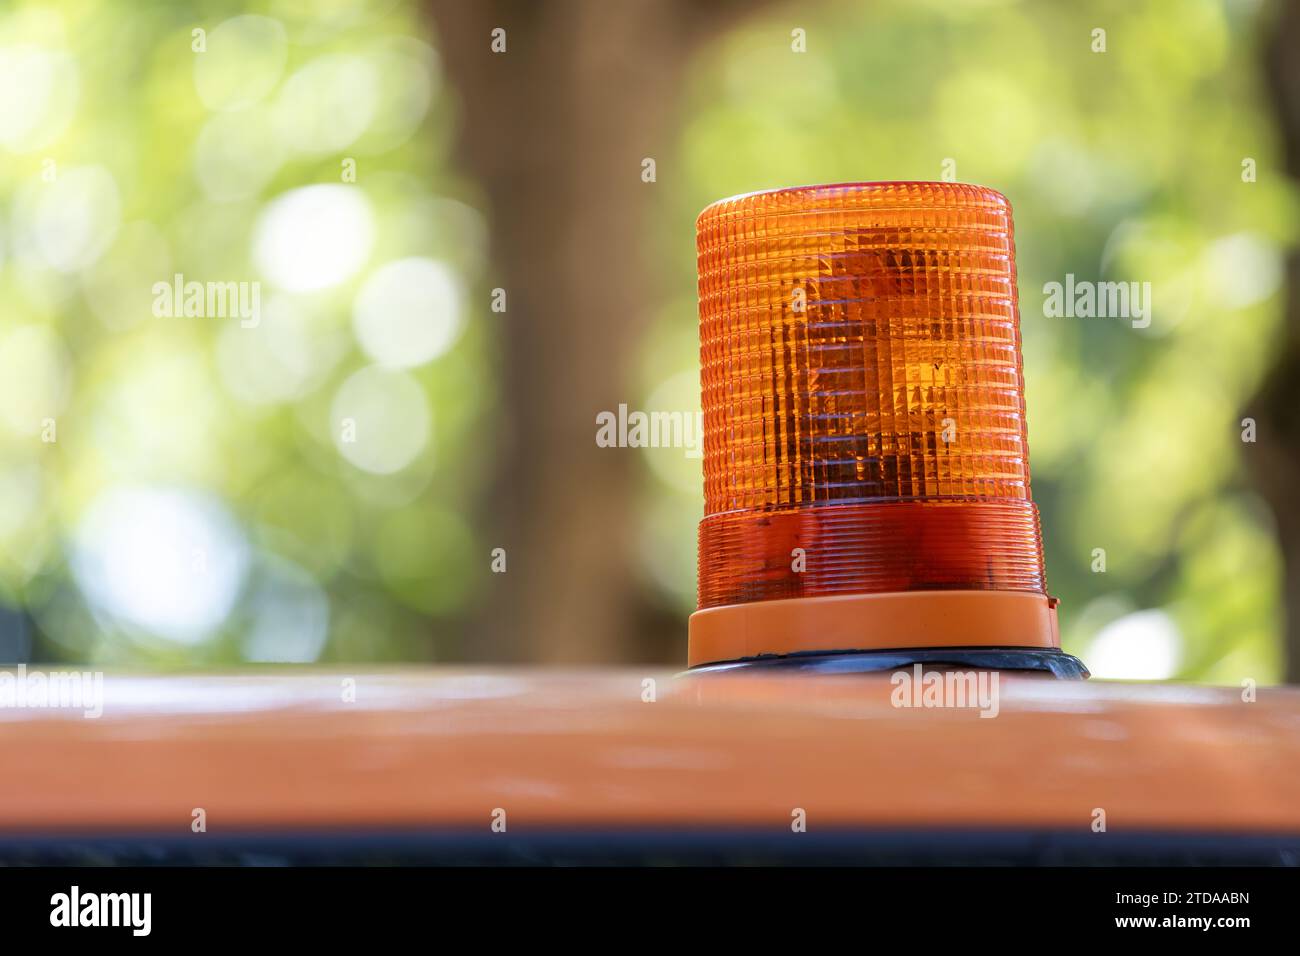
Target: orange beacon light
[(866, 474)]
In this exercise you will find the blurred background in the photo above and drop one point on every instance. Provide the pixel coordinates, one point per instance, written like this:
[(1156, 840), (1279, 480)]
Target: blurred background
[(462, 257)]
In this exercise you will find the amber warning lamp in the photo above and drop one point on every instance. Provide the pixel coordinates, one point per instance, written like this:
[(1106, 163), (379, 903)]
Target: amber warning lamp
[(866, 475)]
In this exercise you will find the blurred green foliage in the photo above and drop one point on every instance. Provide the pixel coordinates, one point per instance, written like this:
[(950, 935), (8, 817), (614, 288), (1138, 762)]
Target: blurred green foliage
[(130, 156), (142, 141)]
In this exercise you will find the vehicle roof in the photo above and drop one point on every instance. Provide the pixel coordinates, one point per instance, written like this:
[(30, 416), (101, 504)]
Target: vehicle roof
[(447, 748)]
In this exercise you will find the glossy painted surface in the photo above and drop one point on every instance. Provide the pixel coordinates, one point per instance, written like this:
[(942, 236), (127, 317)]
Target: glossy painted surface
[(447, 748)]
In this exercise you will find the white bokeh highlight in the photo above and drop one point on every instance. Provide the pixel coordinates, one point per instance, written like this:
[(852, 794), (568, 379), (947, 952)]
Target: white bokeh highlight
[(408, 312), (39, 91), (1144, 645), (168, 561), (314, 237)]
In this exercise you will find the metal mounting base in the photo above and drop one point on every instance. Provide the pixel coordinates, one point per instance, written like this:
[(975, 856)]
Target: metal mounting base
[(1055, 662)]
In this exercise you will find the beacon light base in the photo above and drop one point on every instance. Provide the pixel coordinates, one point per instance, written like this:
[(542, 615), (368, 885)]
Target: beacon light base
[(864, 632), (1050, 662)]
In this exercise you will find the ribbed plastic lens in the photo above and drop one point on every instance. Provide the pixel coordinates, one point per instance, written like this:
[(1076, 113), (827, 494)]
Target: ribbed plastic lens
[(863, 395)]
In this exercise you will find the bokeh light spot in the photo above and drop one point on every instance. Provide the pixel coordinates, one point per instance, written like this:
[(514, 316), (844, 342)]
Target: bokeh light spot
[(39, 90), (408, 312), (380, 420), (327, 104), (290, 615), (67, 224), (236, 154), (1144, 645), (166, 560), (243, 61), (280, 359), (314, 237)]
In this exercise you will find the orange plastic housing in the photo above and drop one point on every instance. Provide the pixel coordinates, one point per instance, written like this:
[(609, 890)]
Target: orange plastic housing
[(863, 396)]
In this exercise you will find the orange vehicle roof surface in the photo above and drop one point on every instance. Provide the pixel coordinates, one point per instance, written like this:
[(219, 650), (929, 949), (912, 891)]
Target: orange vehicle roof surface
[(283, 749)]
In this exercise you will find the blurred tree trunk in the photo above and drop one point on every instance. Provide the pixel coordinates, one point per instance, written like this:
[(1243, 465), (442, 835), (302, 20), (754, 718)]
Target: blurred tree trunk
[(555, 130), (1276, 408)]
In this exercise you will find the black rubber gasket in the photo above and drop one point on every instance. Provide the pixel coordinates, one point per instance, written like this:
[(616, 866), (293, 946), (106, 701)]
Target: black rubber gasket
[(1057, 663)]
